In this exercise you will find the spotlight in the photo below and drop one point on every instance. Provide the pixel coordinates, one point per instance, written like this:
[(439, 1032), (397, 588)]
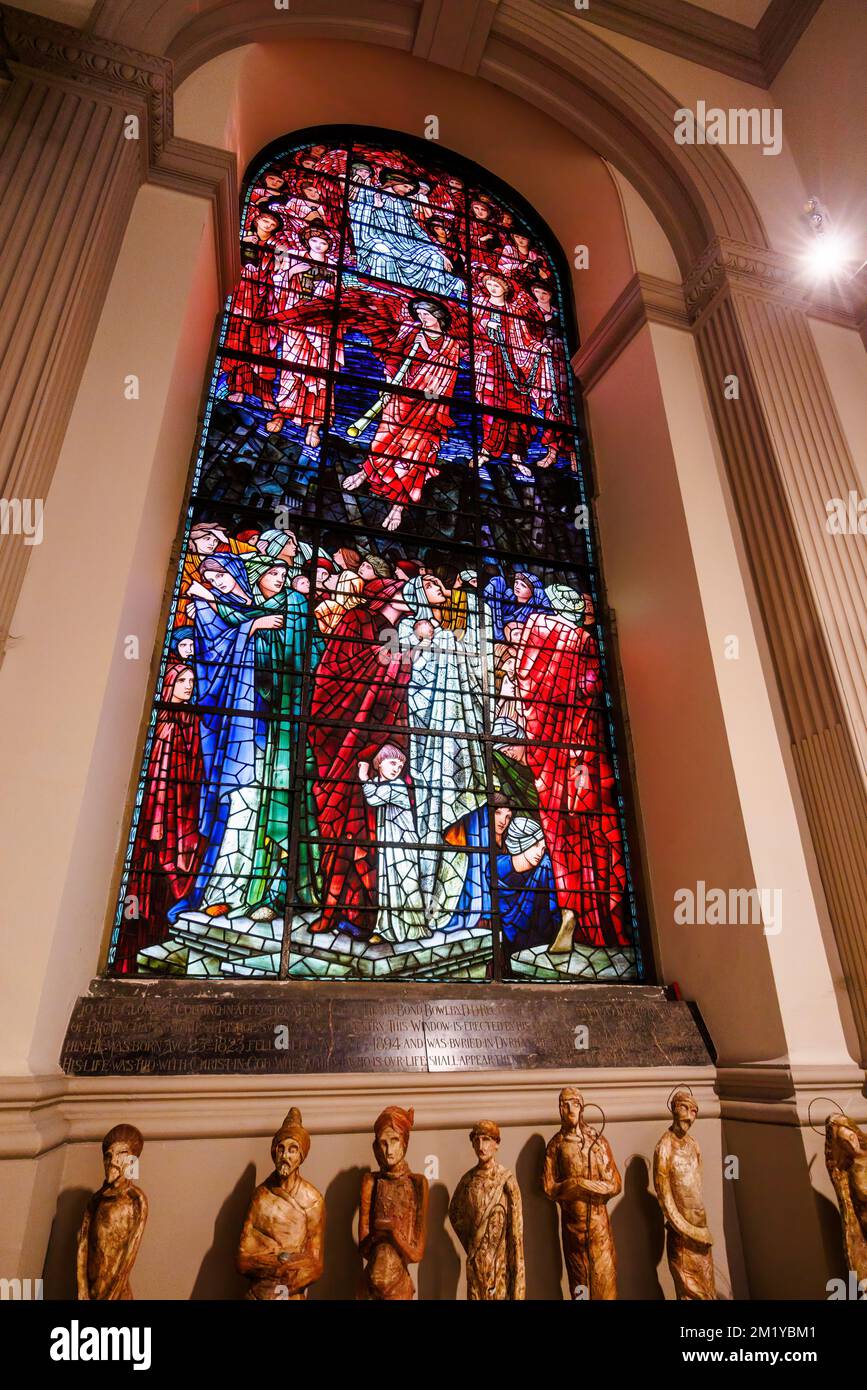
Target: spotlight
[(827, 255), (826, 252)]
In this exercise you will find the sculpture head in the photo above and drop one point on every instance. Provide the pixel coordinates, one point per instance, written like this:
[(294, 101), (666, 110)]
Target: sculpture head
[(121, 1148), (391, 1136), (290, 1145), (571, 1108), (684, 1108), (843, 1140), (485, 1139)]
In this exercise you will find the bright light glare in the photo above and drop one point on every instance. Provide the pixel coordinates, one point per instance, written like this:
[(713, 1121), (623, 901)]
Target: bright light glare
[(827, 255)]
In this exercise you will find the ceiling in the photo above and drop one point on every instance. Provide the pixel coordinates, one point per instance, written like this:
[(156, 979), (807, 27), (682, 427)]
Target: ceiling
[(742, 11)]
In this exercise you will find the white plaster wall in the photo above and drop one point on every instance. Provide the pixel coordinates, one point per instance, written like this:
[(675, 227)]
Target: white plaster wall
[(70, 702)]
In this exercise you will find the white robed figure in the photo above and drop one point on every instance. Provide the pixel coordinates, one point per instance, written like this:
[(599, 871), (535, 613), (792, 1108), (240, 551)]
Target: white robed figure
[(400, 915), (390, 243), (447, 762)]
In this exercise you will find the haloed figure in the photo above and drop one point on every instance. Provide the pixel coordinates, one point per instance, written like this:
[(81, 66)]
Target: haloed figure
[(486, 1213), (392, 1223), (581, 1176), (846, 1161), (677, 1182), (114, 1221)]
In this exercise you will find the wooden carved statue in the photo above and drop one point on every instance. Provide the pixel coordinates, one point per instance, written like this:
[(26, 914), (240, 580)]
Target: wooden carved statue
[(280, 1250), (392, 1223), (677, 1182), (580, 1175), (114, 1221), (486, 1214), (846, 1161)]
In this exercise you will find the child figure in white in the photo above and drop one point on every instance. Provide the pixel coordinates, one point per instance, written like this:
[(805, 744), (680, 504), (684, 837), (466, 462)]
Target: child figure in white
[(401, 915)]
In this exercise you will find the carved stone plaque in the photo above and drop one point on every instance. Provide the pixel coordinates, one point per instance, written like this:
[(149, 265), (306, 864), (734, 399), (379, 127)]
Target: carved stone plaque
[(186, 1028)]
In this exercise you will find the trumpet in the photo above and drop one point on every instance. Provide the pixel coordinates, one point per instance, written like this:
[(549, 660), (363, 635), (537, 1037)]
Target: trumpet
[(360, 425)]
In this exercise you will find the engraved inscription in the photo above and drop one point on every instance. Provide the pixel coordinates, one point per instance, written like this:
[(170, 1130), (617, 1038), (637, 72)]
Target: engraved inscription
[(334, 1030)]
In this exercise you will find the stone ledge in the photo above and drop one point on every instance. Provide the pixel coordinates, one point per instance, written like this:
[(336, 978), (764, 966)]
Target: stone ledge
[(254, 1027)]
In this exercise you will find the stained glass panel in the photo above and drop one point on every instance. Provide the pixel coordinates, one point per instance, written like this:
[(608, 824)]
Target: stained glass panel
[(382, 742)]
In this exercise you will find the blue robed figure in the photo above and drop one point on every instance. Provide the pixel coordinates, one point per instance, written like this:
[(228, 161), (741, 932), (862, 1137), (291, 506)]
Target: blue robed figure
[(390, 243), (527, 898)]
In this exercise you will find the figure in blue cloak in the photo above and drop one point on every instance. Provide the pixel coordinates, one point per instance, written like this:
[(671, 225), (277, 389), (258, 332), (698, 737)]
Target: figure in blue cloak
[(525, 888), (390, 242), (515, 602), (250, 639)]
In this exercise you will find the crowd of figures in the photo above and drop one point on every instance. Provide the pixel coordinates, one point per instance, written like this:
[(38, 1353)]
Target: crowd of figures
[(358, 734), (426, 276), (422, 726)]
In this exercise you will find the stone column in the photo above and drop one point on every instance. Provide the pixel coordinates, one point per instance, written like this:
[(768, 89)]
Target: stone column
[(787, 458), (72, 162)]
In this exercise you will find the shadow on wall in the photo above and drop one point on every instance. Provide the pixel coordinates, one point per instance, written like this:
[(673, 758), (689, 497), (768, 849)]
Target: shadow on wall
[(343, 1263), (831, 1232), (217, 1276), (62, 1253), (440, 1271), (785, 1260), (541, 1225), (732, 1233), (639, 1234)]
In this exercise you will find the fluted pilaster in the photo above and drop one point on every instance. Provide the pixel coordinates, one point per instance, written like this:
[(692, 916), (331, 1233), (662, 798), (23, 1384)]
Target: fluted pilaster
[(787, 457), (68, 176)]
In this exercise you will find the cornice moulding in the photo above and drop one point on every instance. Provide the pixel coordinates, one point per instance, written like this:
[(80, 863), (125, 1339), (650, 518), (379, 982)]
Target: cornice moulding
[(725, 264), (753, 55), (768, 274), (121, 75), (779, 1093), (39, 1114), (645, 299), (141, 83), (206, 172)]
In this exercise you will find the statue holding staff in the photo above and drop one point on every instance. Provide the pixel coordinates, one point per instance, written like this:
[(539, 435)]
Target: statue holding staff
[(580, 1175), (846, 1161)]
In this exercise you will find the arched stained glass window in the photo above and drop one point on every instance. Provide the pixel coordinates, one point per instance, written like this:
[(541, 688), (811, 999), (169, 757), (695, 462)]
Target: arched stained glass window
[(382, 739)]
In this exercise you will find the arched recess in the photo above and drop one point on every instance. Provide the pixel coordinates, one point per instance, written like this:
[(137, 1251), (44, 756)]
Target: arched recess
[(543, 56)]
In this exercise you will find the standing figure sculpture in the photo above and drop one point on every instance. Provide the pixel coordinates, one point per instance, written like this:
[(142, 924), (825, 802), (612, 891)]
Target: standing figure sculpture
[(280, 1249), (393, 1219), (580, 1175), (486, 1214), (677, 1183), (846, 1161), (114, 1220)]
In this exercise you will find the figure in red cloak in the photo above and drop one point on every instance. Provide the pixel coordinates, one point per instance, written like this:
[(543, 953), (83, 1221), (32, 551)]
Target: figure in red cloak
[(167, 848), (486, 242), (300, 395), (504, 347), (420, 349), (271, 189), (559, 680), (361, 681), (252, 303)]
